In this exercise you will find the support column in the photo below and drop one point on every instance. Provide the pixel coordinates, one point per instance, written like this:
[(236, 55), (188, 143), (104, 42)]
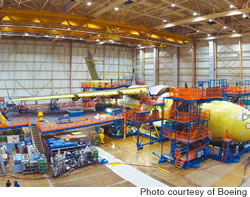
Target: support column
[(70, 66), (194, 78), (211, 59), (176, 66), (156, 66), (142, 64), (240, 54)]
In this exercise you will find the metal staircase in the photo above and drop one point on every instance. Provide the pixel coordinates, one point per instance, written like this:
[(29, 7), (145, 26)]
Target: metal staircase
[(36, 138), (180, 163)]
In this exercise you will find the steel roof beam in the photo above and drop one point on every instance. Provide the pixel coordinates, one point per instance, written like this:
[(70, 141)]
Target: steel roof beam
[(108, 8), (204, 18)]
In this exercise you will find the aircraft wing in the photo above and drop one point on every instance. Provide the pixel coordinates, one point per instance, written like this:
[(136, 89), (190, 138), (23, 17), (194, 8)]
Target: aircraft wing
[(100, 93), (52, 97)]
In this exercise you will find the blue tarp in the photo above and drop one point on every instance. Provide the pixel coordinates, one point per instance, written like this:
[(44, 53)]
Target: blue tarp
[(60, 143)]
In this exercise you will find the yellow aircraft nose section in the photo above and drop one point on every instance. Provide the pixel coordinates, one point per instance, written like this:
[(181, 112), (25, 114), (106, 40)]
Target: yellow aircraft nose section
[(231, 117)]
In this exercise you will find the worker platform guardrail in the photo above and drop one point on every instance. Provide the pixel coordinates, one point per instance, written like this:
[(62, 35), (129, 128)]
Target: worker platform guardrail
[(236, 90), (185, 117), (185, 136), (105, 84), (195, 93), (54, 126), (15, 123)]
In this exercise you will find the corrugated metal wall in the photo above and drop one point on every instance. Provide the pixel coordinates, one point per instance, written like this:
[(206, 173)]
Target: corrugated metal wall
[(186, 65), (228, 60), (32, 67), (149, 66), (202, 61), (245, 58), (166, 66)]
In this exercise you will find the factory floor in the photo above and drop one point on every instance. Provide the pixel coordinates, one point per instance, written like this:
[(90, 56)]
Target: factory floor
[(210, 173)]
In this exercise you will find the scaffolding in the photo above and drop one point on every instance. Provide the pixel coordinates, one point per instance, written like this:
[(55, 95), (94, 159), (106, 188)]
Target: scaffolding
[(185, 124), (143, 119), (239, 93)]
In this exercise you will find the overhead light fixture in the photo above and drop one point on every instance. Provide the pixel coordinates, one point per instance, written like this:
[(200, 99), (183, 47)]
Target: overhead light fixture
[(173, 5), (80, 38), (97, 40), (164, 20), (46, 36), (244, 16), (26, 34), (208, 34), (231, 6), (139, 45), (234, 31), (195, 14), (210, 20), (197, 30), (101, 42), (89, 3), (69, 28), (116, 9)]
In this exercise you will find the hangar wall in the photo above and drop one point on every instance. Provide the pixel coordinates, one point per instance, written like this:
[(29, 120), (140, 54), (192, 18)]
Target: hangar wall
[(231, 62), (38, 67), (33, 67)]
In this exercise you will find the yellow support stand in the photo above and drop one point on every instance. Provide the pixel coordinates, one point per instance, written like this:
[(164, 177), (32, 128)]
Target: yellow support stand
[(101, 135), (3, 119), (40, 116)]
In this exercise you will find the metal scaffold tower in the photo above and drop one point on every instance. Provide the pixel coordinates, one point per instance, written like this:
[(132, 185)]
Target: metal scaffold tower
[(185, 124)]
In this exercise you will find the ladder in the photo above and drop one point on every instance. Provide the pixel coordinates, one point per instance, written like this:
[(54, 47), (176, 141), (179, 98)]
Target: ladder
[(180, 163), (224, 151), (36, 138)]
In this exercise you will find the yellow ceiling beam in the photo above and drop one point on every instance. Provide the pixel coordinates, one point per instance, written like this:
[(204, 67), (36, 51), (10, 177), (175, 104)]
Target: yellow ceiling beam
[(45, 20)]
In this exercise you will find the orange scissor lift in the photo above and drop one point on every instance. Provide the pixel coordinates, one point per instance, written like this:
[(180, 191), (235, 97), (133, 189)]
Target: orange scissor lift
[(186, 125)]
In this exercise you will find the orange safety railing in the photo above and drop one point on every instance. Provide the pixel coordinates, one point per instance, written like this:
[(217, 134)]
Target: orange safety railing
[(16, 122), (33, 107), (183, 136), (195, 93), (237, 90), (191, 154), (140, 83), (103, 84), (143, 117), (77, 122), (186, 116), (150, 101)]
